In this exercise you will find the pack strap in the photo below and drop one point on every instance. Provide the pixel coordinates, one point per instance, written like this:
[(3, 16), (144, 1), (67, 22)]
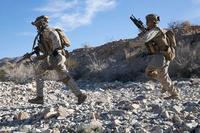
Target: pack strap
[(35, 40)]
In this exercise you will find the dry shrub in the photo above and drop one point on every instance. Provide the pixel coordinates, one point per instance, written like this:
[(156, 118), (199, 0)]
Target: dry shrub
[(179, 25), (96, 64), (25, 71), (188, 55), (71, 63), (20, 73), (183, 55)]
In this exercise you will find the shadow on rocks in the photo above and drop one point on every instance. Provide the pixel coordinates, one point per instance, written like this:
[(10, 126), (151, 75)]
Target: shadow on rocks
[(29, 121)]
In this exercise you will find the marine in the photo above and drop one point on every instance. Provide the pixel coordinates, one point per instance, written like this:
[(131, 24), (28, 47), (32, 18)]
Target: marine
[(159, 45), (52, 57)]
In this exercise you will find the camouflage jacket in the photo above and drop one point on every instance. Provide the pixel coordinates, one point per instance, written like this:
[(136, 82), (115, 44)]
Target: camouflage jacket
[(156, 41)]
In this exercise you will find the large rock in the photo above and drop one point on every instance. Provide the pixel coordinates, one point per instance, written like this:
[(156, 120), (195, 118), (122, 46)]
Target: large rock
[(190, 125), (177, 108), (25, 128), (93, 126), (49, 112), (22, 116), (157, 129), (64, 112), (165, 114)]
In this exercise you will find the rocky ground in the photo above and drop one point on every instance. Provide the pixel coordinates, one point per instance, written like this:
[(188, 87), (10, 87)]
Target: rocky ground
[(118, 107), (131, 107)]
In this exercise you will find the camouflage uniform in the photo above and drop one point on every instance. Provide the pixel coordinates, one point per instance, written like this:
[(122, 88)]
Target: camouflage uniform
[(53, 59), (158, 67)]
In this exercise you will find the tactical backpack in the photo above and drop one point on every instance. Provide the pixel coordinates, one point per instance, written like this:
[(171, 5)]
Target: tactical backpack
[(170, 53), (63, 38)]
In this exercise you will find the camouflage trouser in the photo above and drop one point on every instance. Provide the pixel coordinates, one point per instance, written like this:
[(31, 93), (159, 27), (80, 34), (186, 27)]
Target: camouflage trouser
[(54, 63), (158, 70)]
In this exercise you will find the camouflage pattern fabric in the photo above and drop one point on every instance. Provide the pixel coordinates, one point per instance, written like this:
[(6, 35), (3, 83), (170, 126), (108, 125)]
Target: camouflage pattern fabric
[(50, 45), (158, 66)]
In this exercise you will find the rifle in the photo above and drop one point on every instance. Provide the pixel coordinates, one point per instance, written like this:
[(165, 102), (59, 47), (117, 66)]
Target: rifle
[(28, 55), (138, 23)]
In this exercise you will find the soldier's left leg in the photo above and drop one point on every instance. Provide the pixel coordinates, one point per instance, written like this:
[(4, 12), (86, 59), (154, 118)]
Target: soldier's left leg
[(65, 77), (39, 69), (166, 82), (158, 69)]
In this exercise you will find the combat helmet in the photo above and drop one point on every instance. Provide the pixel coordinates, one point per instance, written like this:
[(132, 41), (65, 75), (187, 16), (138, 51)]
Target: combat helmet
[(41, 21), (153, 17)]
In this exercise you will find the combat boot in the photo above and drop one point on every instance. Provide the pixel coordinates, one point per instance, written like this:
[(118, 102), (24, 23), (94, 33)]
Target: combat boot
[(174, 94), (37, 100), (81, 98), (177, 97)]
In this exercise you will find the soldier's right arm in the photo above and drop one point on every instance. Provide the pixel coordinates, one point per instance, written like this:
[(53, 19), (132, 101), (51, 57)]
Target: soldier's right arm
[(38, 56)]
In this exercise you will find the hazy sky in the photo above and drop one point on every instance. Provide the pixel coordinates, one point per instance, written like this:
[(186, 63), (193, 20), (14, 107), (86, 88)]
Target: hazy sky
[(91, 22)]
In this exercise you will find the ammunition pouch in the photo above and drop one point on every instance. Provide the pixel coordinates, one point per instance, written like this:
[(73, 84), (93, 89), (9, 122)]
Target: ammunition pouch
[(152, 47), (169, 54)]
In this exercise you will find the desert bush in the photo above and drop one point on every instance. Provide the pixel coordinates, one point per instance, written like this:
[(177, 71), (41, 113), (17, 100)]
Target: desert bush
[(183, 55), (71, 63), (179, 25), (187, 60), (20, 73), (174, 25), (96, 64)]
